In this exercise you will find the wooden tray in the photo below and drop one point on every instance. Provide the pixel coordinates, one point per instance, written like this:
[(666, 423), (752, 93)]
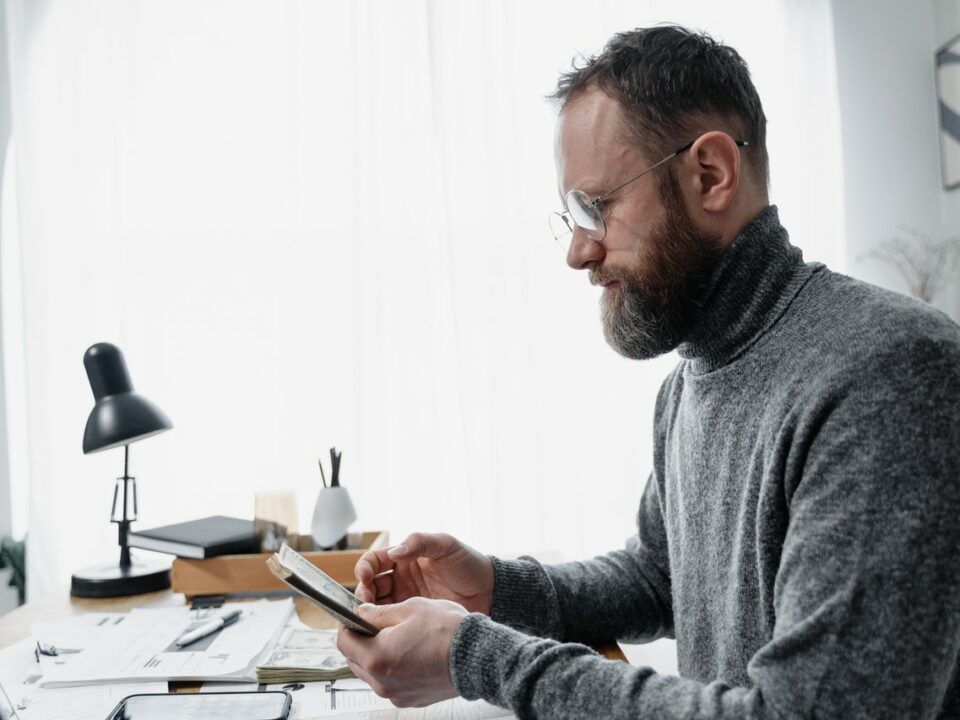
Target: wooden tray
[(241, 574)]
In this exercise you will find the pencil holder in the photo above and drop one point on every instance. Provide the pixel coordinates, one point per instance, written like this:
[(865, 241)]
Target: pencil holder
[(332, 516)]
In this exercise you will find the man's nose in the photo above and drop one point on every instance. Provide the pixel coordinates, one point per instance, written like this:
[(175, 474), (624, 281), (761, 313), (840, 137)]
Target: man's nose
[(583, 252)]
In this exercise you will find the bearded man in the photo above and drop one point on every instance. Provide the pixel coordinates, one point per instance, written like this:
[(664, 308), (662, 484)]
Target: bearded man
[(799, 534)]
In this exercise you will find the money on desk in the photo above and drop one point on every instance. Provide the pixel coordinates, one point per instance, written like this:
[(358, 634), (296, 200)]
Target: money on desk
[(304, 655)]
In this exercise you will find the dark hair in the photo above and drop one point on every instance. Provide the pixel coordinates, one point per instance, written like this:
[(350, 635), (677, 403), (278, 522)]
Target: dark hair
[(669, 81)]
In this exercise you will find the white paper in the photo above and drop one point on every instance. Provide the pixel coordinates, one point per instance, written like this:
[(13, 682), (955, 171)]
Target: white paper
[(209, 687), (351, 684), (317, 700), (141, 646), (456, 709), (20, 674), (356, 700), (312, 702)]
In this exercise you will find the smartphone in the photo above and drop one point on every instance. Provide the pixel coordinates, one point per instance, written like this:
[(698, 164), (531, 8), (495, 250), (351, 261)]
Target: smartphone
[(272, 705)]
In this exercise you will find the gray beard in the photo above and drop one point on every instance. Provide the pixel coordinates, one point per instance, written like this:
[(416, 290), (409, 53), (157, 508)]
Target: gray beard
[(635, 325), (641, 323), (650, 315)]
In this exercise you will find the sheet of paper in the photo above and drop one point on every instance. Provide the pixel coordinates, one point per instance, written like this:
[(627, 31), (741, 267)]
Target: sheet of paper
[(20, 675), (209, 687), (351, 684), (315, 699), (456, 709), (354, 698), (321, 699), (141, 646)]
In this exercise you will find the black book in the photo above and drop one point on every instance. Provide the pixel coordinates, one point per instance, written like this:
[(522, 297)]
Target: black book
[(199, 539)]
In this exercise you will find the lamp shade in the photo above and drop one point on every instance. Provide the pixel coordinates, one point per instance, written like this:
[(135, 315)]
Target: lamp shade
[(119, 416)]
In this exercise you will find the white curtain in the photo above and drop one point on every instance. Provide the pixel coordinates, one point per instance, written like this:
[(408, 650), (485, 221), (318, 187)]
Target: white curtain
[(314, 223)]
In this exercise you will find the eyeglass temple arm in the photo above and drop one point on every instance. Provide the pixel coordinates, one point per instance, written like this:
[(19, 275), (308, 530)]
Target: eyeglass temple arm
[(739, 143)]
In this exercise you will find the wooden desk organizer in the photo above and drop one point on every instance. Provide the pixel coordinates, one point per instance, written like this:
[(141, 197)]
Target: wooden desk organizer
[(240, 574)]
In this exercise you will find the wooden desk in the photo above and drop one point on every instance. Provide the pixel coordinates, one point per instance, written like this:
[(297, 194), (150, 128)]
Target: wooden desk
[(15, 625)]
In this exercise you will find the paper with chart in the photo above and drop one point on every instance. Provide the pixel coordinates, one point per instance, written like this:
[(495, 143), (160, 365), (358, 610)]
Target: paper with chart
[(20, 676), (353, 699), (141, 645), (456, 709)]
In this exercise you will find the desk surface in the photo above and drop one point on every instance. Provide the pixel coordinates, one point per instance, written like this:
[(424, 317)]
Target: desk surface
[(16, 623)]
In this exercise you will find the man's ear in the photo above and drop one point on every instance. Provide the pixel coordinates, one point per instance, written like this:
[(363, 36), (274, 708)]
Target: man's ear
[(715, 165)]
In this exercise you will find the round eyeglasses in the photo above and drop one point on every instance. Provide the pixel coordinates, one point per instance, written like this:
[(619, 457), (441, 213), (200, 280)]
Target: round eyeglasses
[(586, 214)]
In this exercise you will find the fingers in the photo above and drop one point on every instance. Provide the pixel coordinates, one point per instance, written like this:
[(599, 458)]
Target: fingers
[(387, 615), (383, 586), (364, 594), (379, 592), (353, 645), (429, 545), (371, 564), (360, 672)]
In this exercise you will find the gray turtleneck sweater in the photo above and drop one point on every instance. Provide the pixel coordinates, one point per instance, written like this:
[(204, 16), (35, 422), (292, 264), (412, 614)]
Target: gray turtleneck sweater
[(799, 534)]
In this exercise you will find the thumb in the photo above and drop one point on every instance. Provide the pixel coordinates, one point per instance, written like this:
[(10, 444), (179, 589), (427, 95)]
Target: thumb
[(428, 545), (387, 615)]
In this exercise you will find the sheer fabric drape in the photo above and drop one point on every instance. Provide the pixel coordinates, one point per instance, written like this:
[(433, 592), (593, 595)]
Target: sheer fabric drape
[(310, 224)]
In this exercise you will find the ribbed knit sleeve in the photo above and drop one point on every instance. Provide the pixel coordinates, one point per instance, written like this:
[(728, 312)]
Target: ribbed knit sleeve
[(524, 597), (539, 679), (624, 594)]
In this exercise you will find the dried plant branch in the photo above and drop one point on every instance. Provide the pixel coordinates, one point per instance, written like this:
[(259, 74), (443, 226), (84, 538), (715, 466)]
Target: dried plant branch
[(924, 262)]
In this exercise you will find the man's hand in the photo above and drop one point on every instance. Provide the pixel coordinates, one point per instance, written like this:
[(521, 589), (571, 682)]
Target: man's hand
[(430, 566), (408, 661)]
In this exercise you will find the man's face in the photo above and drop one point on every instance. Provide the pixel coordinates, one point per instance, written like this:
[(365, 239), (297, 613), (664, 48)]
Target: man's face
[(653, 263)]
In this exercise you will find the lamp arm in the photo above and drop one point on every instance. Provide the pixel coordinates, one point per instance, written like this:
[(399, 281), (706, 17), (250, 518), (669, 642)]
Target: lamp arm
[(123, 526)]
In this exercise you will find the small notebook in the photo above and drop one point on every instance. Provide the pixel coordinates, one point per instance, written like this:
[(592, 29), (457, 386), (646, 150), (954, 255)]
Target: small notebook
[(199, 539)]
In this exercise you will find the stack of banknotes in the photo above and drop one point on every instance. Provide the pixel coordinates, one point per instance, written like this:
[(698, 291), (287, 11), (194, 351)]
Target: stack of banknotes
[(304, 655)]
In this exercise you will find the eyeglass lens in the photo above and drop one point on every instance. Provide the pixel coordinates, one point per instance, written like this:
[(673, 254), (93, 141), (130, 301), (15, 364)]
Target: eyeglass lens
[(562, 227), (584, 213), (580, 213)]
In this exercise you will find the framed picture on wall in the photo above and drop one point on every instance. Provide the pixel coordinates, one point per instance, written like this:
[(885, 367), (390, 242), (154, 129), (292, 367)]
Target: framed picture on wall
[(948, 98)]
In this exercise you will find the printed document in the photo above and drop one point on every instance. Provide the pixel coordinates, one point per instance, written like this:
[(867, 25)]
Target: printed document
[(20, 675), (353, 699), (140, 646)]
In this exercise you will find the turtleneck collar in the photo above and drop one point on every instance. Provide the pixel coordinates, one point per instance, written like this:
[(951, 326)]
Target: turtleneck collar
[(757, 278)]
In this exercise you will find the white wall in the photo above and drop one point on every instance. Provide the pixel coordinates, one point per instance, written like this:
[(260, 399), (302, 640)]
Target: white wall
[(946, 26), (885, 77), (8, 597)]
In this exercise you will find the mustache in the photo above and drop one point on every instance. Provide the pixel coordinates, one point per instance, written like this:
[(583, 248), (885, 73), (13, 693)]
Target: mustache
[(602, 276)]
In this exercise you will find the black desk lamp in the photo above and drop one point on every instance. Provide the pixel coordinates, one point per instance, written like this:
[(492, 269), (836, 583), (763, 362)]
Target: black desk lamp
[(119, 417)]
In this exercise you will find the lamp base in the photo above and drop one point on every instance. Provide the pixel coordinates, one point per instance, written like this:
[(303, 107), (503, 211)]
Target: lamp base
[(111, 580)]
